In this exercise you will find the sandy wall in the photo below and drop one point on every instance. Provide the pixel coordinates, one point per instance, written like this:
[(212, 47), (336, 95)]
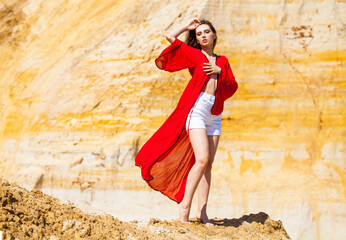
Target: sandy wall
[(80, 94)]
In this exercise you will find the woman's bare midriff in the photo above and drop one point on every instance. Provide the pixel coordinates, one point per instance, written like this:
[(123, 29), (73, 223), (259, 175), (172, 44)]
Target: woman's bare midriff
[(210, 87)]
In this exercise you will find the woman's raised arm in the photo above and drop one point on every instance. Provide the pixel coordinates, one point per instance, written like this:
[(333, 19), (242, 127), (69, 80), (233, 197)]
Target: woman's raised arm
[(192, 25)]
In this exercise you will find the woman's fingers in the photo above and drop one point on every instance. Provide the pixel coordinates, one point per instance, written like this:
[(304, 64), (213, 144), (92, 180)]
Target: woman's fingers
[(196, 21), (208, 71), (193, 24), (209, 67)]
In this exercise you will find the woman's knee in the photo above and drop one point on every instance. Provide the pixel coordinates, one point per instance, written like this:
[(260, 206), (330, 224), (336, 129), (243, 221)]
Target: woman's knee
[(203, 161), (210, 164)]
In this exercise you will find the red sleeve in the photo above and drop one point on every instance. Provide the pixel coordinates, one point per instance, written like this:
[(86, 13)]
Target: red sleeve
[(230, 84), (178, 56), (192, 70)]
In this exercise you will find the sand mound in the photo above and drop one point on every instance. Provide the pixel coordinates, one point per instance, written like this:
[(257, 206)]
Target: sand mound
[(35, 215)]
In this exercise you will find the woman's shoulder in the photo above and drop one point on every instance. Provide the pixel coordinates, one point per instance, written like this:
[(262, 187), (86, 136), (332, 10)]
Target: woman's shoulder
[(222, 59)]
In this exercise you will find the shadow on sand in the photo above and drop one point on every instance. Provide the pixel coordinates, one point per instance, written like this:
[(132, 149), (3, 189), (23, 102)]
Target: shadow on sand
[(260, 217)]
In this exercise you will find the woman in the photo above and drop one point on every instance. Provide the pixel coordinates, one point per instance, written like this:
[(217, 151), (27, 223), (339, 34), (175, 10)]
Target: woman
[(178, 157)]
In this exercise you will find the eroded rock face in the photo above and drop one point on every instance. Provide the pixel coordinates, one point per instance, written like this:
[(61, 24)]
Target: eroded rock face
[(80, 94)]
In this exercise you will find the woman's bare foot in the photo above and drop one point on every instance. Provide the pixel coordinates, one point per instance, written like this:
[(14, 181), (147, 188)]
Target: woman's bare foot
[(204, 219), (184, 213)]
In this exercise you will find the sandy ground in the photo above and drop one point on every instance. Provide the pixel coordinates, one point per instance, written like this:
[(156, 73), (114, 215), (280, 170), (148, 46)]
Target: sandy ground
[(35, 215)]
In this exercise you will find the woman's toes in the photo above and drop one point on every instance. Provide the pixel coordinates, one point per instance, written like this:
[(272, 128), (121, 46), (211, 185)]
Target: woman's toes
[(188, 222), (209, 224), (204, 219)]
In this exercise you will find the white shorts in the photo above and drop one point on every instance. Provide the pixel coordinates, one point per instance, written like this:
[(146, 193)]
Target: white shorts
[(200, 115)]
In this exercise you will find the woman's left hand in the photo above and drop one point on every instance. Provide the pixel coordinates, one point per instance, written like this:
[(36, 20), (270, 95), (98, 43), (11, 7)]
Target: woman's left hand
[(211, 69)]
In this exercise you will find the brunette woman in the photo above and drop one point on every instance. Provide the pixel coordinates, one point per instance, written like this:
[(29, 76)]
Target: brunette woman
[(178, 158)]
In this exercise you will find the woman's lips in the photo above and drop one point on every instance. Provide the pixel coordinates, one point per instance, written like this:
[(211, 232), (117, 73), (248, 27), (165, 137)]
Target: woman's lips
[(204, 40)]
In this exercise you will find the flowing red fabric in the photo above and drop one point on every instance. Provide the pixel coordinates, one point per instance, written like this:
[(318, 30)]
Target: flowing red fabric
[(167, 157)]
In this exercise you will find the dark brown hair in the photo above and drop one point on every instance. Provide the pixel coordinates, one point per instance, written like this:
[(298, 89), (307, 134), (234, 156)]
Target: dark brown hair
[(191, 35)]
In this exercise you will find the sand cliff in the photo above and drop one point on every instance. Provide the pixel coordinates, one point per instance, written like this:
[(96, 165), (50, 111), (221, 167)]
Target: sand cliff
[(80, 94)]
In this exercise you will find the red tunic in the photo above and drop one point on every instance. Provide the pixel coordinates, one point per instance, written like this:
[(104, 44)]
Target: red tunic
[(167, 157)]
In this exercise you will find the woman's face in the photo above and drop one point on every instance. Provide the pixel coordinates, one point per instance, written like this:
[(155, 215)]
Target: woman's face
[(205, 36)]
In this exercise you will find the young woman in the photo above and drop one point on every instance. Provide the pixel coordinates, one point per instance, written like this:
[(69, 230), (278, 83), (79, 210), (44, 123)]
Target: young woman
[(178, 157)]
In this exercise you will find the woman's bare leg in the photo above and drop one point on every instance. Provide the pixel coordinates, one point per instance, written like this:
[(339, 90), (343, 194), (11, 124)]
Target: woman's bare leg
[(200, 145), (204, 184)]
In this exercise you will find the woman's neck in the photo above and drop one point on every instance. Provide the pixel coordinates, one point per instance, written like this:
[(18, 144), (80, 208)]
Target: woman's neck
[(208, 51)]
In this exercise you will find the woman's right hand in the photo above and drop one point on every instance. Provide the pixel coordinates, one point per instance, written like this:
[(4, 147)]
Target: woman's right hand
[(193, 24)]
